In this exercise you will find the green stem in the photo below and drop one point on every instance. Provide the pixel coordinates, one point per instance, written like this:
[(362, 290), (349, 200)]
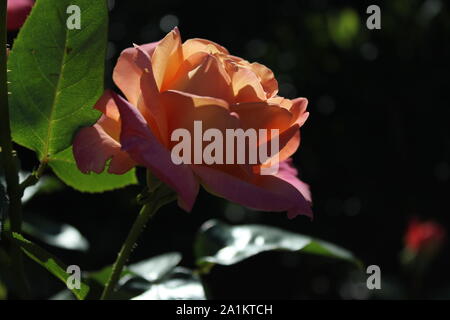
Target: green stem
[(34, 177), (9, 160), (156, 200)]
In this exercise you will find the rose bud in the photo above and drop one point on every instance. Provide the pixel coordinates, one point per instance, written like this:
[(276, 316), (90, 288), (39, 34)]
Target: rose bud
[(424, 236)]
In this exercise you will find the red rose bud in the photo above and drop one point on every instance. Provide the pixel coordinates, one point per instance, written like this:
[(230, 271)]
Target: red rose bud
[(424, 236)]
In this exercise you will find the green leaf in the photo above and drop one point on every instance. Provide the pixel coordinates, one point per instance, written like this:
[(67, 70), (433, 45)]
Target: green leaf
[(64, 166), (151, 269), (180, 284), (138, 277), (157, 267), (56, 74), (219, 243), (49, 262), (59, 235)]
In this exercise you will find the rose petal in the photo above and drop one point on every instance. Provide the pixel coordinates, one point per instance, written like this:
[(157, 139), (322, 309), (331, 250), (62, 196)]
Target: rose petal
[(196, 45), (298, 109), (289, 147), (206, 79), (247, 86), (93, 147), (261, 115), (282, 102), (266, 193), (267, 78), (139, 141), (288, 173), (167, 58), (127, 72), (183, 109), (149, 103), (107, 106)]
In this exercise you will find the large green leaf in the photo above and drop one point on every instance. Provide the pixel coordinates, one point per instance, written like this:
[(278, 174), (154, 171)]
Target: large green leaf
[(219, 243), (56, 74), (56, 77), (63, 164), (49, 262)]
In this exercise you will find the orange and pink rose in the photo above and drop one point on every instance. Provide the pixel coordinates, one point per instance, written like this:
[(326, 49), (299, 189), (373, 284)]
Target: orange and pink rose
[(168, 85)]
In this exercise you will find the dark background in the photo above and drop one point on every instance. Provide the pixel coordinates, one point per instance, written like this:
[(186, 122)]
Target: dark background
[(375, 149)]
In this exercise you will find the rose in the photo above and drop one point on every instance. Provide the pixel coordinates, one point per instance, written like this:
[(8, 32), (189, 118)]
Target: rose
[(18, 11), (424, 236), (169, 85)]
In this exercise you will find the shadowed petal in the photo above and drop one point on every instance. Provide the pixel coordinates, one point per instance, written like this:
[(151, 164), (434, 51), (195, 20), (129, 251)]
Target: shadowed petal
[(138, 140), (266, 193), (289, 173), (93, 147)]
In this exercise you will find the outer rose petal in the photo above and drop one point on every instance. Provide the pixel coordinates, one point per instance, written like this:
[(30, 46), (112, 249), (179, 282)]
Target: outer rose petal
[(17, 13), (127, 72), (298, 109), (92, 147), (267, 193), (289, 173), (138, 140), (289, 147)]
